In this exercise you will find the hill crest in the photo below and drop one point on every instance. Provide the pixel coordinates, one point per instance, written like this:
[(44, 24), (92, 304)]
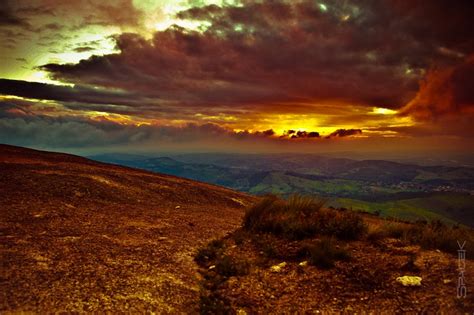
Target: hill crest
[(79, 235)]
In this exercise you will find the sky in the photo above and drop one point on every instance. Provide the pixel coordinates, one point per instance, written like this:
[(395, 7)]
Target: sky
[(388, 76)]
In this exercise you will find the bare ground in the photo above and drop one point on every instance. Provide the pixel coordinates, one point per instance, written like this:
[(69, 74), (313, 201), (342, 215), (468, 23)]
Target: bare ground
[(77, 235)]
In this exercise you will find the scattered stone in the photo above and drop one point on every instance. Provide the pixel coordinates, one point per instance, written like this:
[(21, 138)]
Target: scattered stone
[(238, 201), (241, 312), (446, 281), (212, 267), (303, 263), (409, 281), (177, 207), (278, 268)]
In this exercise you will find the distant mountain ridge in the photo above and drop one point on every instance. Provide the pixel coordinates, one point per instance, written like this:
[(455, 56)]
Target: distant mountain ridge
[(371, 185)]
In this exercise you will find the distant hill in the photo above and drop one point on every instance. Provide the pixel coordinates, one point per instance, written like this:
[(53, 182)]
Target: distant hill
[(83, 236), (395, 189)]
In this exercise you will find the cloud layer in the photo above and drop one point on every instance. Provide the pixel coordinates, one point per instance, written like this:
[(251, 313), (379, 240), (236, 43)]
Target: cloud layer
[(314, 69)]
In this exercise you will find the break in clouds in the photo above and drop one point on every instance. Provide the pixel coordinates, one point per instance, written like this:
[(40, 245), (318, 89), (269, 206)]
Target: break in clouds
[(257, 58)]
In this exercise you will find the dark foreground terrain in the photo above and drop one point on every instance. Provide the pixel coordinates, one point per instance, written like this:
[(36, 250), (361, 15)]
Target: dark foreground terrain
[(78, 235), (296, 257)]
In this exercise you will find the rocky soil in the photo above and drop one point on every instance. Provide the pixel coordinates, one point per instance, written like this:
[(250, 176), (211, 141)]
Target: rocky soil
[(270, 277), (77, 235)]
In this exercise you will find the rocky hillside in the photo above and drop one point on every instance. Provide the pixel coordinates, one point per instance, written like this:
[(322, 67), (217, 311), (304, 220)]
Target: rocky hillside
[(296, 257), (78, 235)]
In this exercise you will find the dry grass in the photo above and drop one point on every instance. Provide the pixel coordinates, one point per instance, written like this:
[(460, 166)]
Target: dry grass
[(302, 217), (326, 252), (432, 235)]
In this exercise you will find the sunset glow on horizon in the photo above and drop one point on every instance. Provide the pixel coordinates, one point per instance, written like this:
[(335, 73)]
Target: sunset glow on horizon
[(126, 71)]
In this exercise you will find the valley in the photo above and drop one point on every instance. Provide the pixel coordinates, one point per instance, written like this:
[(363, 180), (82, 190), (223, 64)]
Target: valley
[(391, 189)]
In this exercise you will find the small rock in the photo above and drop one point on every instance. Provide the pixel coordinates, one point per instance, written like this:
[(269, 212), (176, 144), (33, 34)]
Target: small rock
[(446, 281), (409, 281), (232, 282), (241, 312), (419, 263), (278, 268), (212, 267), (177, 207), (303, 263)]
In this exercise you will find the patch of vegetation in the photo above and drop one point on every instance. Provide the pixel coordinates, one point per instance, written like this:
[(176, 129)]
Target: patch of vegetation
[(217, 268), (325, 253), (209, 253), (302, 217), (228, 266), (213, 303), (437, 235), (429, 235)]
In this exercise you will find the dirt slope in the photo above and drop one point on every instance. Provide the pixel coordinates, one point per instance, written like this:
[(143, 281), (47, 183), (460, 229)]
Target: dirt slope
[(78, 235)]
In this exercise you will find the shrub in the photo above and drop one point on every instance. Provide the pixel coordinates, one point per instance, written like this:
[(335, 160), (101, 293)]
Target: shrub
[(228, 266), (210, 252), (396, 230), (342, 224), (324, 253), (376, 234), (437, 235), (301, 217), (213, 303), (433, 235)]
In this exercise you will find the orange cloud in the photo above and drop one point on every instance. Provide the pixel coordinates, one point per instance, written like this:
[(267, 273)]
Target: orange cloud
[(444, 92)]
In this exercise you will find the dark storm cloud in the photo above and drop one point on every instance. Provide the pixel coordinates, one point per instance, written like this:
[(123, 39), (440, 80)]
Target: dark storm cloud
[(19, 126), (84, 49), (82, 94), (9, 18), (344, 133), (106, 13), (301, 134), (365, 52)]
